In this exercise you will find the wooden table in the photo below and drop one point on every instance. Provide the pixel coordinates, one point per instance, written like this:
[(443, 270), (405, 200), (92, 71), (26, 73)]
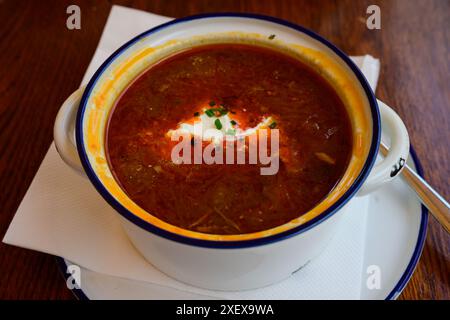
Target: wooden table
[(42, 62)]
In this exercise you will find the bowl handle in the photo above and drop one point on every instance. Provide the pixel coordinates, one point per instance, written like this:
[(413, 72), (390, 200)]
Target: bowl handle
[(389, 167), (64, 131)]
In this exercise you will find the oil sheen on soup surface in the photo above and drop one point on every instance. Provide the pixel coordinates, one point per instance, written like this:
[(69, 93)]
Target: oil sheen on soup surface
[(249, 84)]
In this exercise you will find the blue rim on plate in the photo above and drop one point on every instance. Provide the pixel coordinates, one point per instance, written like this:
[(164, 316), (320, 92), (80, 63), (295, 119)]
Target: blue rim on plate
[(239, 243), (420, 240), (398, 288)]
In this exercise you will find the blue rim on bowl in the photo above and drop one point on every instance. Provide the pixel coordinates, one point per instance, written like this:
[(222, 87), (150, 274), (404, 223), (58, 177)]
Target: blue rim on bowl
[(239, 243)]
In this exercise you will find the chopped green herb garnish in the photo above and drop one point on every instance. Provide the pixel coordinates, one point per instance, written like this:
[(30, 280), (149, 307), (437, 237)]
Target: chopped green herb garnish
[(212, 103), (222, 111), (273, 125), (271, 37), (196, 114), (218, 124), (230, 132), (216, 112), (209, 112), (233, 122)]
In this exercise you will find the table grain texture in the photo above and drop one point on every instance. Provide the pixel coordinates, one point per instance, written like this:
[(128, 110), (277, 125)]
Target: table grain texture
[(42, 63)]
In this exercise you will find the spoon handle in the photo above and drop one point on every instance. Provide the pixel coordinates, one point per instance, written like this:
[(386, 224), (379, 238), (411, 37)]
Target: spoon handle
[(435, 203)]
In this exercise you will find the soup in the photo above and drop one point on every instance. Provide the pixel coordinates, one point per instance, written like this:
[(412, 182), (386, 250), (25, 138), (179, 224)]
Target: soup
[(240, 88)]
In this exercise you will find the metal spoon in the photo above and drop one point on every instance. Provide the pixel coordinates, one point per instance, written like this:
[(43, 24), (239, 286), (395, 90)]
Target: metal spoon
[(427, 195)]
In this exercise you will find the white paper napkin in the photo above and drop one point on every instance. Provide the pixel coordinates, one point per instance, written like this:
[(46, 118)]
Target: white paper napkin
[(62, 214)]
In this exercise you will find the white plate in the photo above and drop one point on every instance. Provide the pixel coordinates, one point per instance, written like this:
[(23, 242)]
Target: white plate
[(396, 230)]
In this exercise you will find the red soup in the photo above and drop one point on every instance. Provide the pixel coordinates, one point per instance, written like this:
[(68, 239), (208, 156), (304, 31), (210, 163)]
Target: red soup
[(246, 85)]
